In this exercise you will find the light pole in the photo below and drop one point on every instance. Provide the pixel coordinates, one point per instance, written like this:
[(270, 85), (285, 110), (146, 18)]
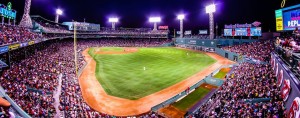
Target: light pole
[(210, 9), (154, 20), (58, 13), (180, 18), (26, 20), (113, 22)]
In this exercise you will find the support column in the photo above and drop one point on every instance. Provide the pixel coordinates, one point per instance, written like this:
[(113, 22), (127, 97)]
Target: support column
[(113, 25), (155, 26), (181, 28), (211, 25), (56, 18)]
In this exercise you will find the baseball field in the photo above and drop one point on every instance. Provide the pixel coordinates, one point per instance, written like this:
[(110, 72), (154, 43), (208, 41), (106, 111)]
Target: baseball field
[(133, 73)]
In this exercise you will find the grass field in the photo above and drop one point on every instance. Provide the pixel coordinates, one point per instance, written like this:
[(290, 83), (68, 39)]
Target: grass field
[(123, 75), (222, 73), (191, 99)]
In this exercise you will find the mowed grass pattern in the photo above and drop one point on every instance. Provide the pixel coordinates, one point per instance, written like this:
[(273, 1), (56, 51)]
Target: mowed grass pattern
[(123, 75)]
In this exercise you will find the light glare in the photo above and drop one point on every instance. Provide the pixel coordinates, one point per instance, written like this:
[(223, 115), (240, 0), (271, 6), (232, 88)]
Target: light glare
[(113, 20), (210, 8), (154, 19), (180, 17), (59, 11)]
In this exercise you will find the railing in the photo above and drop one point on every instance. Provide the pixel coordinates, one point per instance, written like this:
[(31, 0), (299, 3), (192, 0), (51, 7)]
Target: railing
[(290, 58), (14, 104)]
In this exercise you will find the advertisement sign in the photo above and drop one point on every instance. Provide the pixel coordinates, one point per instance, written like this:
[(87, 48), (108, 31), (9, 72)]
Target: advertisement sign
[(241, 32), (7, 11), (189, 32), (289, 85), (287, 19), (227, 32), (30, 42), (14, 46), (256, 31), (192, 42), (163, 27), (238, 26), (291, 19), (203, 32), (4, 49), (23, 44), (279, 20)]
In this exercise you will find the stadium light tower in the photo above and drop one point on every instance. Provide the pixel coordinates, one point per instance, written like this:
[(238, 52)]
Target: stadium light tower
[(180, 18), (26, 20), (210, 9), (155, 20), (58, 13), (113, 22)]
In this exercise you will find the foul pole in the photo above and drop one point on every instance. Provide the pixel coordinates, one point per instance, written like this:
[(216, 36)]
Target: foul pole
[(75, 49)]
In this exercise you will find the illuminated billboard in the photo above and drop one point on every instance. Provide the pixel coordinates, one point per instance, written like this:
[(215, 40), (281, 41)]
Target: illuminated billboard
[(253, 31), (227, 32), (288, 19)]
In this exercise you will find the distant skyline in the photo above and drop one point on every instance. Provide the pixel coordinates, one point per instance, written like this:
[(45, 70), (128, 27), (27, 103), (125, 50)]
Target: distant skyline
[(135, 13)]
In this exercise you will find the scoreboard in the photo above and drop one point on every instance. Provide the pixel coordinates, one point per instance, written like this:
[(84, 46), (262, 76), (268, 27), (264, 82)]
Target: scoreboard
[(250, 31), (287, 19)]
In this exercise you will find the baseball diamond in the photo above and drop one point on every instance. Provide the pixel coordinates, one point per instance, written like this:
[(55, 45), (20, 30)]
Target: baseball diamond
[(122, 75)]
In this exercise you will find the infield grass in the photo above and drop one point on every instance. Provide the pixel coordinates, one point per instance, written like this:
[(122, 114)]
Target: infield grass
[(191, 99), (123, 75)]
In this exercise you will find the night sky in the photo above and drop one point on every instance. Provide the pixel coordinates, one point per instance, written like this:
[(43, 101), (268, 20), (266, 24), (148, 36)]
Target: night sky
[(135, 13)]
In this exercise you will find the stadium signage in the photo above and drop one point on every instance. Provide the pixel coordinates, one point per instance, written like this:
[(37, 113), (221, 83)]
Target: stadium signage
[(294, 111), (189, 32), (14, 46), (238, 26), (163, 27), (30, 42), (287, 18), (7, 12), (23, 44), (286, 89), (203, 32), (289, 86), (4, 49)]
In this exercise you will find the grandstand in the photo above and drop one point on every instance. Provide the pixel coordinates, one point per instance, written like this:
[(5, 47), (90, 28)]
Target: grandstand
[(52, 70)]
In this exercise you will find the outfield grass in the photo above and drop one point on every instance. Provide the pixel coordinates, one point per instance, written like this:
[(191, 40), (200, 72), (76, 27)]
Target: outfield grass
[(191, 99), (123, 75)]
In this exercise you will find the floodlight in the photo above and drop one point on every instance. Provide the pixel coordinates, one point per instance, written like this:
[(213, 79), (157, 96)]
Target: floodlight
[(113, 20), (154, 19), (59, 12), (210, 8), (180, 17)]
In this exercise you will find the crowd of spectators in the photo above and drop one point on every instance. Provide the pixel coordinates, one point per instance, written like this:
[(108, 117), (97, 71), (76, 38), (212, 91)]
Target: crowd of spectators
[(257, 50), (33, 76), (248, 82), (13, 34), (288, 43)]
